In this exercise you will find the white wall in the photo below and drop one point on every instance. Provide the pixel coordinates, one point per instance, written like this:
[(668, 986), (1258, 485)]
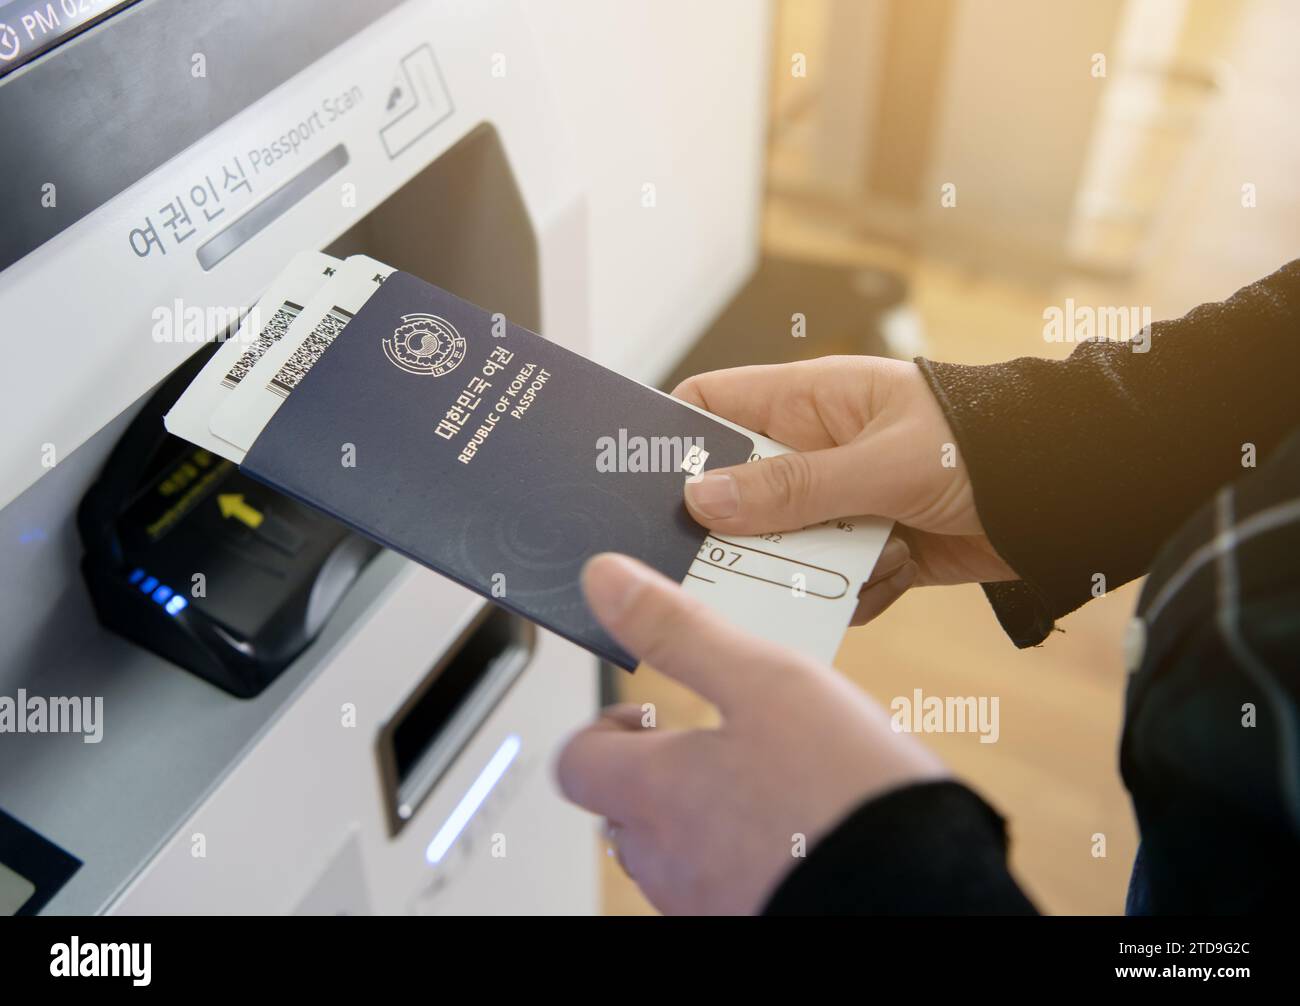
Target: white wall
[(1019, 103), (671, 93), (1212, 244)]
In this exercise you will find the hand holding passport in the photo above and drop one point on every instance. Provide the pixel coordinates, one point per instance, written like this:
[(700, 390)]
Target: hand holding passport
[(499, 459)]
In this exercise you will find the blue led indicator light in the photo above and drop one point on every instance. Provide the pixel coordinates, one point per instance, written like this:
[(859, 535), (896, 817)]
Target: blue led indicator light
[(136, 576), (176, 605), (163, 594), (149, 584)]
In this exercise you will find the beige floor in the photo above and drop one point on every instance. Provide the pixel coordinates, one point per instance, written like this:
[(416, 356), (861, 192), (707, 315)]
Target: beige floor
[(1053, 772)]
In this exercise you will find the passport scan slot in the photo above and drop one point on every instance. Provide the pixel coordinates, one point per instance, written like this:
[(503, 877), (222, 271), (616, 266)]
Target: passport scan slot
[(197, 562)]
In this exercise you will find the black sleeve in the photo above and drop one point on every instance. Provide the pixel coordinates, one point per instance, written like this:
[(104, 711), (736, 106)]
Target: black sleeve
[(1086, 465), (929, 849)]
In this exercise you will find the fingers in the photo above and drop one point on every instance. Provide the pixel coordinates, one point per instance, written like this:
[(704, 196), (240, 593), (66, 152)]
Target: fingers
[(952, 558), (894, 573), (660, 624), (626, 715), (602, 767), (782, 493), (752, 396), (871, 439), (875, 597), (598, 766), (892, 556), (809, 405)]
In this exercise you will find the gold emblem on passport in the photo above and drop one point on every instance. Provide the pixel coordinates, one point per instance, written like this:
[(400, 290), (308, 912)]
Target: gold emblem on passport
[(425, 344)]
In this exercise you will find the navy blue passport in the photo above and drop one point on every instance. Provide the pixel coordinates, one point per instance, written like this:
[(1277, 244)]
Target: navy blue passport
[(490, 455)]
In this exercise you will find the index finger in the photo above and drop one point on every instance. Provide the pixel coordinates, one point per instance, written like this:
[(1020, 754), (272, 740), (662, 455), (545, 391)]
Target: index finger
[(760, 398), (658, 622)]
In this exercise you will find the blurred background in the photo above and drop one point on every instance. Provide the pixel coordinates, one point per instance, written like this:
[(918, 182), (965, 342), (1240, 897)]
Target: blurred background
[(938, 174)]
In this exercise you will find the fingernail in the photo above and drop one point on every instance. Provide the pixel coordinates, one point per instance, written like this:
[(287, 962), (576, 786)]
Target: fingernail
[(611, 583), (714, 495)]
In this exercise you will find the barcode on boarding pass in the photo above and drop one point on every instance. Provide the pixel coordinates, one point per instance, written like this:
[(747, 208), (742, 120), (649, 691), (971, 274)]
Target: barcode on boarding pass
[(268, 337), (305, 356)]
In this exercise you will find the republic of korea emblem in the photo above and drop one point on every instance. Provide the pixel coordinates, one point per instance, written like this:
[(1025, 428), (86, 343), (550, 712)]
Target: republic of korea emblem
[(425, 344)]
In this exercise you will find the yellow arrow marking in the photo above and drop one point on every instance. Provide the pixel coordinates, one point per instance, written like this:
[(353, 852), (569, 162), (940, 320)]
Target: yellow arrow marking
[(233, 505)]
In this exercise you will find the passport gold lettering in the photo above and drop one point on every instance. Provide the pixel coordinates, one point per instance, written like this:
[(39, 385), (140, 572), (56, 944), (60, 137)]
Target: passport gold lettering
[(519, 390), (530, 395), (476, 441)]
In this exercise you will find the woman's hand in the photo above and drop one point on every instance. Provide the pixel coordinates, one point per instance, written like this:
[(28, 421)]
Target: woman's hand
[(871, 440), (710, 821)]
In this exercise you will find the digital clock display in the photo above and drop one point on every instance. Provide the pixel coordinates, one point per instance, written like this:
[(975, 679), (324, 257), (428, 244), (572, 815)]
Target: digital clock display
[(31, 27)]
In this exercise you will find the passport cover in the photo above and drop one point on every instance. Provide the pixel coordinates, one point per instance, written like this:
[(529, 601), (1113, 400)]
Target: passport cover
[(477, 449)]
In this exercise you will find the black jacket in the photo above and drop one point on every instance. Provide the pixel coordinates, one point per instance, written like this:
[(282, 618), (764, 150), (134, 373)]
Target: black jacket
[(1146, 458)]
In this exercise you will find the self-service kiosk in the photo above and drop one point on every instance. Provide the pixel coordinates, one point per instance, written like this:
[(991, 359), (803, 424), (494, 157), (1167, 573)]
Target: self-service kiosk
[(352, 733)]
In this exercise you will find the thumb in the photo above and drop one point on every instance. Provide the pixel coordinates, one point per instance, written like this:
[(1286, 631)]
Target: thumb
[(781, 493), (659, 623)]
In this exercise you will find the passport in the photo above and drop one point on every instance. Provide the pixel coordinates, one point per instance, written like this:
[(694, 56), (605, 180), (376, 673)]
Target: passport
[(484, 452), (556, 458)]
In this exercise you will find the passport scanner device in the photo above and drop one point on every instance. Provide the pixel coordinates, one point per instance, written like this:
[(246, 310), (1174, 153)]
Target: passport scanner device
[(192, 559), (214, 699)]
